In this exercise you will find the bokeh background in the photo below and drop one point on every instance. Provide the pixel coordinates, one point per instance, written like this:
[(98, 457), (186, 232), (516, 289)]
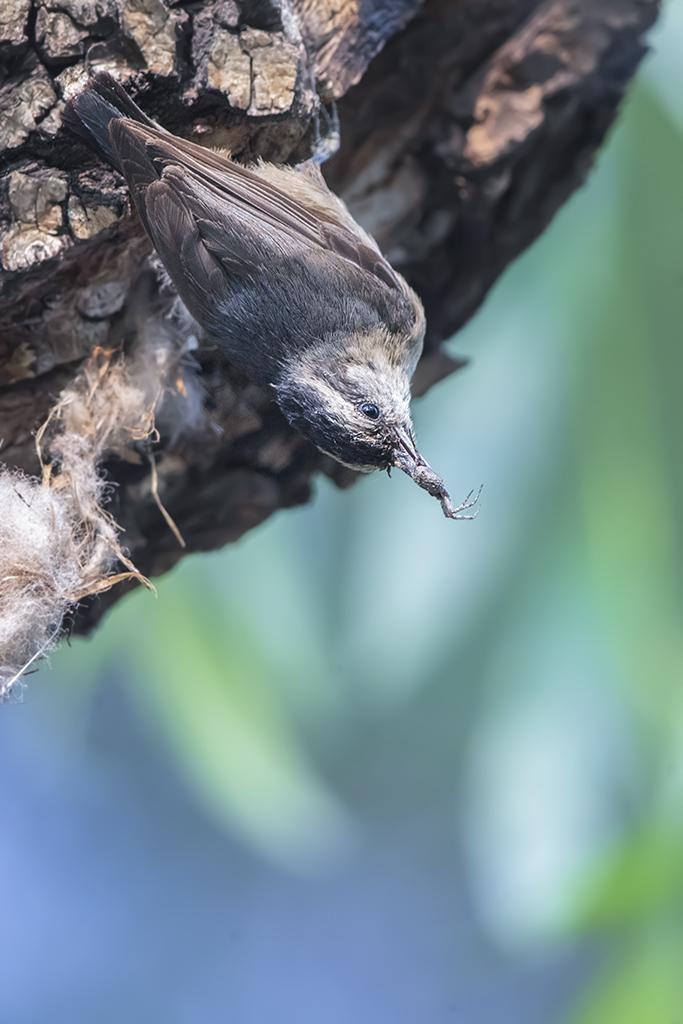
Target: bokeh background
[(372, 766)]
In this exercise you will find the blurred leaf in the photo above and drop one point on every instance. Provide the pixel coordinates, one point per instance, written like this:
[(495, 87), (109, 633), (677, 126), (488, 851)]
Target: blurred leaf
[(203, 678), (630, 461), (645, 987), (631, 473), (644, 879)]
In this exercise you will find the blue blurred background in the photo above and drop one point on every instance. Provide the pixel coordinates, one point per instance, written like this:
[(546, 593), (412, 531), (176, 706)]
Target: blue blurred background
[(369, 765)]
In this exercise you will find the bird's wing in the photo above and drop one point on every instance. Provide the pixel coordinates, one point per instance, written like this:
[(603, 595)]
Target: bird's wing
[(240, 218)]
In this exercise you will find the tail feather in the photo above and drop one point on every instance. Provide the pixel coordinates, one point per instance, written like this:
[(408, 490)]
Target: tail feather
[(90, 113)]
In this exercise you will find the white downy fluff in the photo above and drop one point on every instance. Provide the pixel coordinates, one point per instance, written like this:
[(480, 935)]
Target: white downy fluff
[(57, 542), (40, 574)]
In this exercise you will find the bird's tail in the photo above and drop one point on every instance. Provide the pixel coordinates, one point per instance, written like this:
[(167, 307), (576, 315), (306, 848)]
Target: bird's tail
[(90, 113)]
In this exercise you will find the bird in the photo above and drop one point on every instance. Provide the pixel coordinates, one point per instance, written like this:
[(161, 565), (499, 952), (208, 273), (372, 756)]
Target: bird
[(272, 265)]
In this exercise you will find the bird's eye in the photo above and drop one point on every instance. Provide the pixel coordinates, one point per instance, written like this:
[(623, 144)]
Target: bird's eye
[(369, 410)]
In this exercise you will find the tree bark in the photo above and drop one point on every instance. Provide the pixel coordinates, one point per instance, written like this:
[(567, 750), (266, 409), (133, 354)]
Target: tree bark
[(465, 124)]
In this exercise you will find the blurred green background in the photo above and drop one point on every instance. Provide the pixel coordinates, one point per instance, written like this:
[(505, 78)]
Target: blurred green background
[(369, 765)]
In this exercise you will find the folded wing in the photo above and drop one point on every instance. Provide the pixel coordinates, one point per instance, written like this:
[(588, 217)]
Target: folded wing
[(240, 218)]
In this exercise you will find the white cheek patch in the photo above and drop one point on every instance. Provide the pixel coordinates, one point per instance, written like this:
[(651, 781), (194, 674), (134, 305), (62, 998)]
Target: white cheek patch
[(334, 404), (385, 386)]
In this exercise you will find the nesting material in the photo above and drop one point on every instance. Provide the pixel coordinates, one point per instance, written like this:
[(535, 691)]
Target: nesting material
[(58, 543), (40, 570)]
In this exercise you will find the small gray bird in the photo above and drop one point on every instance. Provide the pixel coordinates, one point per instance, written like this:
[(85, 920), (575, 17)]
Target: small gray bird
[(275, 268)]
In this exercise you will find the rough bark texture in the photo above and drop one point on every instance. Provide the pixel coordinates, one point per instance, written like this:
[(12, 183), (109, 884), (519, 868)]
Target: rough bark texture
[(465, 124)]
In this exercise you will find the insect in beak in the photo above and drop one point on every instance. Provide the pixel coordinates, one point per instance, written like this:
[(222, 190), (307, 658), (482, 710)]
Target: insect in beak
[(407, 458)]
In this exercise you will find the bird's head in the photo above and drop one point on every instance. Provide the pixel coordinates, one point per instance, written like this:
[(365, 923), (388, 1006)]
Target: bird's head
[(352, 407), (357, 409)]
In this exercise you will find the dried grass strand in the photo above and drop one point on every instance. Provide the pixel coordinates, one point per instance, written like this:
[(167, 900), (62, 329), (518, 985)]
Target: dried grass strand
[(58, 543)]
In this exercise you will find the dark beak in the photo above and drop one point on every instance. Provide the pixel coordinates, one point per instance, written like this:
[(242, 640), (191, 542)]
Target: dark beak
[(407, 454), (407, 458)]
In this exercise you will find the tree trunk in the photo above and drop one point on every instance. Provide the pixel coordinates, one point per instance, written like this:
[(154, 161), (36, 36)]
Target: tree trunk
[(465, 124)]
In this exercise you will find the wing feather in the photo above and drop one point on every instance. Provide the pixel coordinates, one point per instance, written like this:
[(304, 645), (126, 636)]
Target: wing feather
[(193, 269), (228, 189)]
